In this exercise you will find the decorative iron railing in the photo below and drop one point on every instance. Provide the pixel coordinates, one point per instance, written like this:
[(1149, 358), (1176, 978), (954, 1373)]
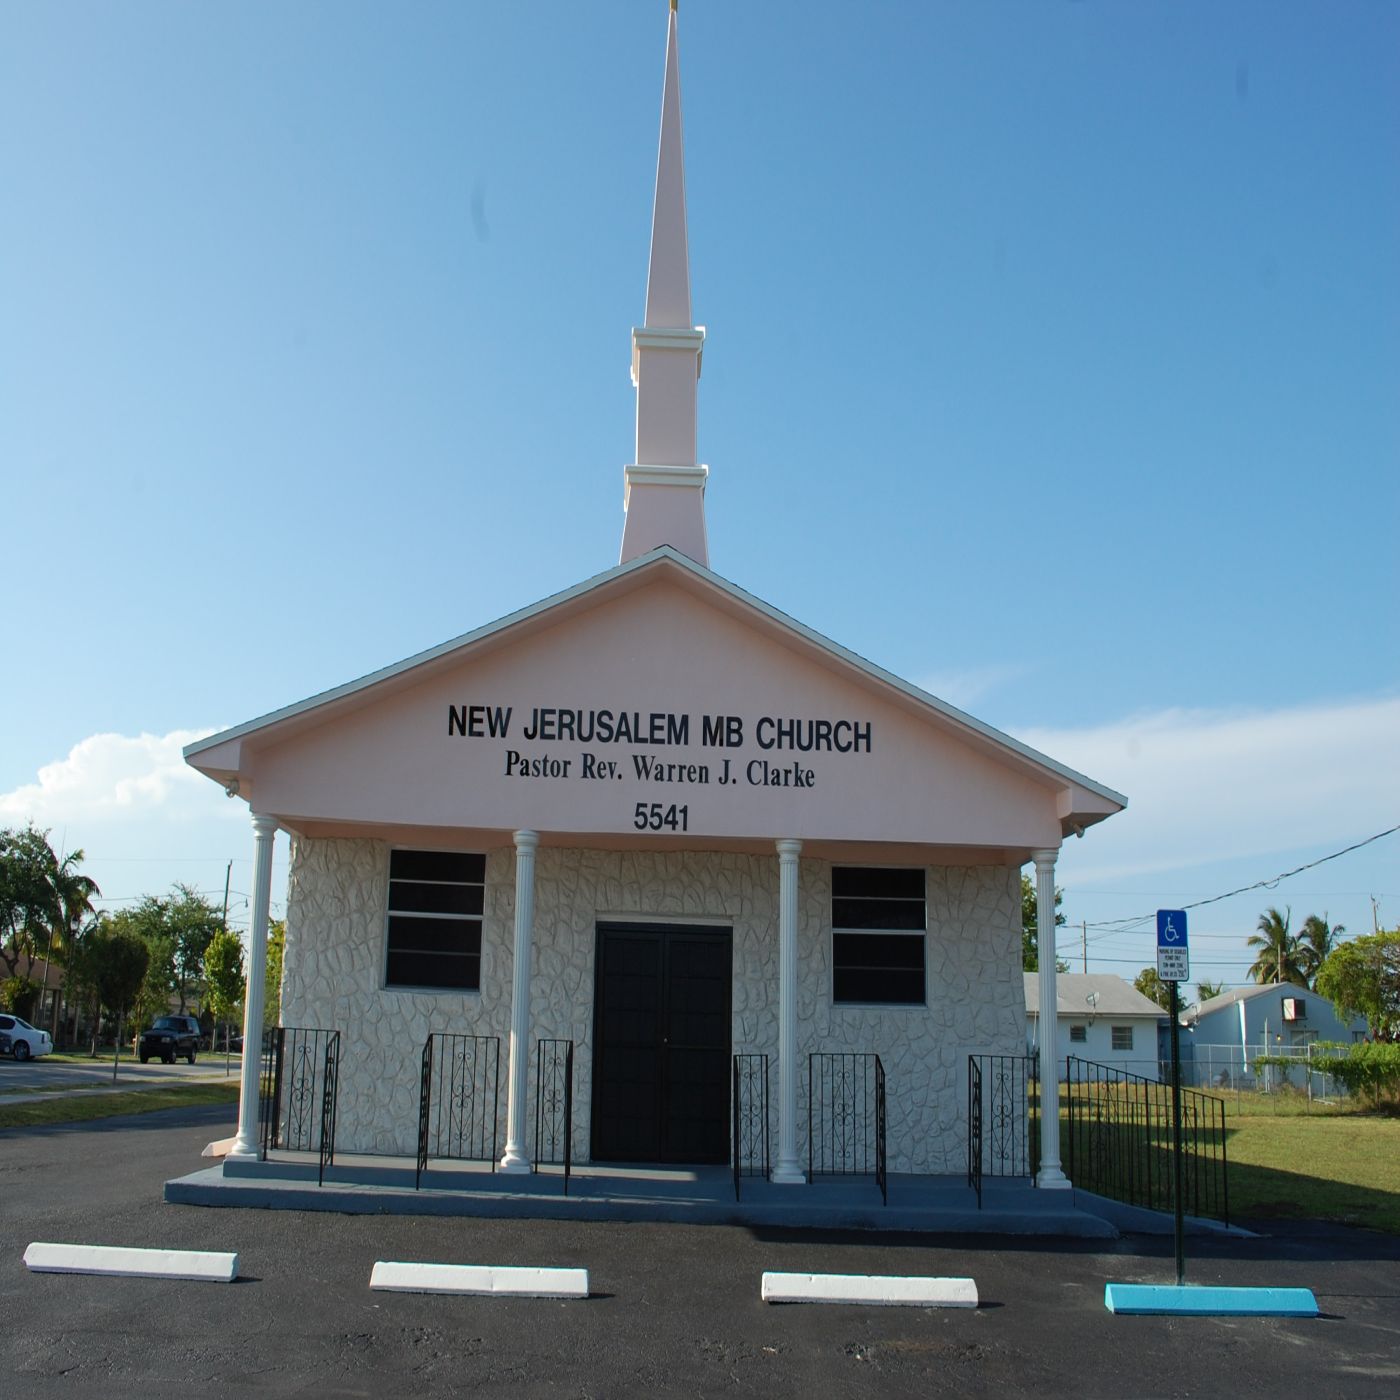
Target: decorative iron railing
[(330, 1089), (554, 1106), (882, 1172), (1003, 1128), (267, 1085), (458, 1099), (1118, 1140), (846, 1117), (749, 1106), (297, 1092), (974, 1127)]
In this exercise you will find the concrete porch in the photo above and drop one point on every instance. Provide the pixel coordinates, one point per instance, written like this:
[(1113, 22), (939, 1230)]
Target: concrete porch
[(693, 1195)]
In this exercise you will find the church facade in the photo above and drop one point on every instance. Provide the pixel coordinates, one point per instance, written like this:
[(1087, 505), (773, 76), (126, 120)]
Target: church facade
[(657, 819)]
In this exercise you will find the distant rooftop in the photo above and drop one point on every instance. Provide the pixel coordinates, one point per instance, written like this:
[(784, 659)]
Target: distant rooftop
[(1073, 990), (1246, 993)]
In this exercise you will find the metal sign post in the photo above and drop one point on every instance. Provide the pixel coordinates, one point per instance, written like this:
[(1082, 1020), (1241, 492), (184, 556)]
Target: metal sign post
[(1173, 966)]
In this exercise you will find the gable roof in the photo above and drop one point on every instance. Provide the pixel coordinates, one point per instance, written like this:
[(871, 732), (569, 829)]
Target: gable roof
[(233, 758), (1248, 993), (1083, 802), (1114, 996)]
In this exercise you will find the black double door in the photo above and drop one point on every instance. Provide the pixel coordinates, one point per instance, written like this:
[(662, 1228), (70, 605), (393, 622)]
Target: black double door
[(661, 1066)]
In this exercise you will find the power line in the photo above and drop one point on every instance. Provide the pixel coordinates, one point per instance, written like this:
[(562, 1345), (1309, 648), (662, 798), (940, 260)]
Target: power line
[(1141, 962), (1126, 925)]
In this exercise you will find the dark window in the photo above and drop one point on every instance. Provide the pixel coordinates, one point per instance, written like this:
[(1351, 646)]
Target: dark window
[(1079, 1034), (877, 937), (435, 904), (1122, 1037)]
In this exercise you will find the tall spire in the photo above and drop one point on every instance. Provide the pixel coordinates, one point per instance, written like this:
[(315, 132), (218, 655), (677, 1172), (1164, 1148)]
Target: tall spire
[(668, 278), (664, 498)]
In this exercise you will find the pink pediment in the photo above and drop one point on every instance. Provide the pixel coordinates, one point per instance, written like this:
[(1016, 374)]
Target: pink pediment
[(655, 703)]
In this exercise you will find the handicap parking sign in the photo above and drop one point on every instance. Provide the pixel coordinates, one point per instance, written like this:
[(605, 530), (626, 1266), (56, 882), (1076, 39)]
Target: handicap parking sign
[(1173, 960), (1171, 928)]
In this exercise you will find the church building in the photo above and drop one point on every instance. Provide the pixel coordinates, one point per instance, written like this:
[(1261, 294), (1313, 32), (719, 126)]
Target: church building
[(656, 819)]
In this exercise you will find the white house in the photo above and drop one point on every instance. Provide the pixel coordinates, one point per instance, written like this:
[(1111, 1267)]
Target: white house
[(1099, 1017), (655, 818)]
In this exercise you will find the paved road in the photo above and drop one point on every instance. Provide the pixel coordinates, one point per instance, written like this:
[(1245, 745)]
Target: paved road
[(36, 1076), (675, 1311)]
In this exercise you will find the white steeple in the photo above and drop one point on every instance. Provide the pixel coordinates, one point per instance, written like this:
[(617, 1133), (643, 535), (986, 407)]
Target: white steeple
[(664, 497)]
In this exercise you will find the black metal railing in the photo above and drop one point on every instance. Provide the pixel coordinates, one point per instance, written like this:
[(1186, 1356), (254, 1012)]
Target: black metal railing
[(267, 1087), (330, 1089), (974, 1127), (882, 1163), (846, 1117), (554, 1106), (1003, 1127), (749, 1106), (1118, 1140), (458, 1099), (297, 1091)]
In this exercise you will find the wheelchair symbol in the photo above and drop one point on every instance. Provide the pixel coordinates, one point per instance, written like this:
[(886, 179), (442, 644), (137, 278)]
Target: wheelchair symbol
[(1169, 934)]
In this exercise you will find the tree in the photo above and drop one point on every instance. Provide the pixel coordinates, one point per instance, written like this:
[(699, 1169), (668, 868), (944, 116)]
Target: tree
[(25, 861), (153, 996), (81, 982), (72, 894), (1278, 957), (223, 978), (1030, 927), (1206, 990), (272, 985), (119, 963), (1153, 988), (1316, 940), (187, 921), (192, 921), (1362, 978), (177, 928)]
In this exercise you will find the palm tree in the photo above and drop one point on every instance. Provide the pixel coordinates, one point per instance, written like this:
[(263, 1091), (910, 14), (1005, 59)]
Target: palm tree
[(1316, 939), (1206, 990), (1280, 956), (71, 896)]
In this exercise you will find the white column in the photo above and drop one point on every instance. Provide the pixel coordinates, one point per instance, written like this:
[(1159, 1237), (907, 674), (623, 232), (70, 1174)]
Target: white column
[(788, 1170), (1050, 1174), (246, 1143), (515, 1159)]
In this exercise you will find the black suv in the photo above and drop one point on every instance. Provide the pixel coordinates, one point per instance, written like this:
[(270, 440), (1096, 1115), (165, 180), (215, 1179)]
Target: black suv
[(169, 1037)]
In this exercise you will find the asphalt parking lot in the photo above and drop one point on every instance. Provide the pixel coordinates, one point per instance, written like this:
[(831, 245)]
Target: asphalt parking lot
[(674, 1310)]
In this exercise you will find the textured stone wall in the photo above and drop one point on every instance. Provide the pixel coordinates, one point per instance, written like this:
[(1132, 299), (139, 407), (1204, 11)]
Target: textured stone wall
[(335, 958)]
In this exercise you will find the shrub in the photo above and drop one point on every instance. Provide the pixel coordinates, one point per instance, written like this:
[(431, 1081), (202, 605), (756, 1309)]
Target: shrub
[(20, 996), (1370, 1071)]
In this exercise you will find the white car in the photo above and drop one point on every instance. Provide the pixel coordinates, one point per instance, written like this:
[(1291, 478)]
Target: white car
[(26, 1041)]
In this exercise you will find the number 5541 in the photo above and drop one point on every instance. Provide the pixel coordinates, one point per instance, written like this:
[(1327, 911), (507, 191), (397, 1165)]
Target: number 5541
[(657, 816)]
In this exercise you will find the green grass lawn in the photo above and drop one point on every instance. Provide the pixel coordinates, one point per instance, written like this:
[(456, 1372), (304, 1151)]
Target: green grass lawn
[(1335, 1166), (80, 1108), (1287, 1156)]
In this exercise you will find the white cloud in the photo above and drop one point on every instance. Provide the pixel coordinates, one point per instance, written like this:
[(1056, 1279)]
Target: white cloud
[(965, 688), (112, 775), (1212, 785)]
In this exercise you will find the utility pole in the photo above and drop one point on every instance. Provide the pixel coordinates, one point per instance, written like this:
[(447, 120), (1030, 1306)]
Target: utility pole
[(1084, 943), (227, 873)]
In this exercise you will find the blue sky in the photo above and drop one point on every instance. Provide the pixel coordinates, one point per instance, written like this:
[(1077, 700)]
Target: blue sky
[(1052, 363)]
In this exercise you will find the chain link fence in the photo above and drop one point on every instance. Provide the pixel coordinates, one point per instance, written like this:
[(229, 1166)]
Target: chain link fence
[(1247, 1069)]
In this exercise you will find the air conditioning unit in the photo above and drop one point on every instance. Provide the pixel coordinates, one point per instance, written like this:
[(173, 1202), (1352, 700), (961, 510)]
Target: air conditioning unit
[(1295, 1009)]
